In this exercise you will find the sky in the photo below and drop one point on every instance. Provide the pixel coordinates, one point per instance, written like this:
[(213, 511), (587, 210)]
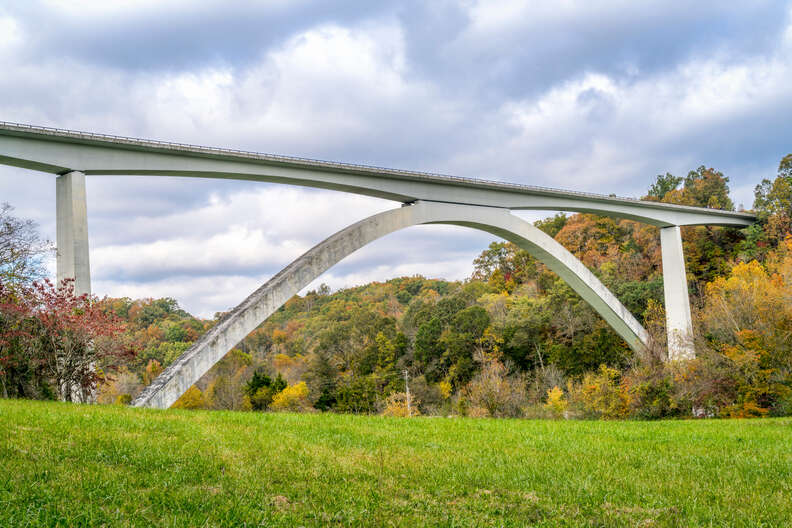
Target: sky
[(592, 96)]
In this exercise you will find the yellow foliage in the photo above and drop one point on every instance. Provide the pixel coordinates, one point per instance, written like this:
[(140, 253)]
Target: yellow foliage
[(293, 398), (123, 399), (282, 362), (556, 402), (279, 336), (192, 399), (396, 405), (746, 409), (749, 313), (600, 394), (445, 389), (750, 299)]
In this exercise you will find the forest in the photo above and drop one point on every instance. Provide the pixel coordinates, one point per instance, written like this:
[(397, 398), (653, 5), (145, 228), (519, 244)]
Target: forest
[(512, 340)]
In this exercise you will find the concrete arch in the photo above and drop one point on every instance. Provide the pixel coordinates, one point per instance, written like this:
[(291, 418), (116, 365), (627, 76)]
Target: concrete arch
[(243, 319)]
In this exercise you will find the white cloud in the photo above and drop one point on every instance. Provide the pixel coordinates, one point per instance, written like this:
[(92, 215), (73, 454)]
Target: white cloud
[(260, 229), (10, 34), (600, 133), (423, 250)]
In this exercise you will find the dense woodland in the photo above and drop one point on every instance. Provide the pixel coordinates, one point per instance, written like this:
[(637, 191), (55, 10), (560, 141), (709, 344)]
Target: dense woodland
[(512, 340)]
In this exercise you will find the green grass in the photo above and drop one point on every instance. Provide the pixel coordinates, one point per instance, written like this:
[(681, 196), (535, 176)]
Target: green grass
[(72, 465)]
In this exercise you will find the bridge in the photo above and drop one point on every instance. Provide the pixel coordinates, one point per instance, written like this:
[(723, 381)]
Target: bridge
[(425, 198)]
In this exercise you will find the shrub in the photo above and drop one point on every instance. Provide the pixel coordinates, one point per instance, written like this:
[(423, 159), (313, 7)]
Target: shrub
[(293, 398), (556, 402), (650, 393), (261, 389), (600, 395), (396, 405), (192, 399)]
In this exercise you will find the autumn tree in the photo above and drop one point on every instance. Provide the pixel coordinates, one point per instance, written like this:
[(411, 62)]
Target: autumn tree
[(293, 398), (662, 185), (747, 317), (261, 389), (192, 399), (493, 391), (65, 341), (226, 388), (703, 187), (773, 203)]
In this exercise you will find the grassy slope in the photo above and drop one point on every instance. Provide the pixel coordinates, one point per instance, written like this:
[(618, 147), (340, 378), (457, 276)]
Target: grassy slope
[(75, 465)]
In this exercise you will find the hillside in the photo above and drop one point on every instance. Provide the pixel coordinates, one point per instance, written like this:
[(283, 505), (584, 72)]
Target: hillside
[(77, 465)]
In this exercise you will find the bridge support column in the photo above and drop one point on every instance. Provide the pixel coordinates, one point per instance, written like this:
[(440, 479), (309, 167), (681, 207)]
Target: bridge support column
[(679, 324), (72, 231)]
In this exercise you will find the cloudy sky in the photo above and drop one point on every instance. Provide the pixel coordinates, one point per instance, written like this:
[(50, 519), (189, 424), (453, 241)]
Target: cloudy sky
[(596, 96)]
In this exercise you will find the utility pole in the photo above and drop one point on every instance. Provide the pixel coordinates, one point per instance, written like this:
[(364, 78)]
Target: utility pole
[(407, 390)]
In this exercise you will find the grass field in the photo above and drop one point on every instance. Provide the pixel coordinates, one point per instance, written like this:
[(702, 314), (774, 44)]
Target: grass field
[(71, 465)]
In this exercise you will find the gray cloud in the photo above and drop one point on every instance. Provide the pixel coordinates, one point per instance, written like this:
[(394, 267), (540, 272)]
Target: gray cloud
[(174, 36)]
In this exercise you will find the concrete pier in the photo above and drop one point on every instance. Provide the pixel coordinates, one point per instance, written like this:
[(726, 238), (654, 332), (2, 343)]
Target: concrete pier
[(679, 324), (72, 231)]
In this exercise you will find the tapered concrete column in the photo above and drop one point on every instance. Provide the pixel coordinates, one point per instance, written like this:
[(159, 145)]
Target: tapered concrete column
[(679, 324), (72, 231)]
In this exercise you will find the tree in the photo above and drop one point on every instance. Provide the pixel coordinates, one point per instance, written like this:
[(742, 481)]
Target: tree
[(662, 186), (153, 369), (226, 391), (426, 341), (556, 403), (600, 394), (321, 377), (497, 257), (552, 225), (357, 394), (748, 319), (65, 341), (773, 202), (293, 398), (504, 265), (493, 391), (22, 250), (261, 389), (703, 187)]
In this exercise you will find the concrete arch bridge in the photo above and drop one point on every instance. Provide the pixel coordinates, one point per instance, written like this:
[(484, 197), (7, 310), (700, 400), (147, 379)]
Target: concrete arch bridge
[(425, 199)]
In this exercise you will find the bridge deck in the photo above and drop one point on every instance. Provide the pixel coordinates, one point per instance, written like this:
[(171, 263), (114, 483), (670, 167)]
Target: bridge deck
[(549, 198)]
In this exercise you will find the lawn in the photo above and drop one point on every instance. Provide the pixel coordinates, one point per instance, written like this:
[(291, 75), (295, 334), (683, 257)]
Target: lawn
[(78, 465)]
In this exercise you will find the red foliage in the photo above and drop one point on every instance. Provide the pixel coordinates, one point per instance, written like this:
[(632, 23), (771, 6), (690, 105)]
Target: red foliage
[(71, 340)]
